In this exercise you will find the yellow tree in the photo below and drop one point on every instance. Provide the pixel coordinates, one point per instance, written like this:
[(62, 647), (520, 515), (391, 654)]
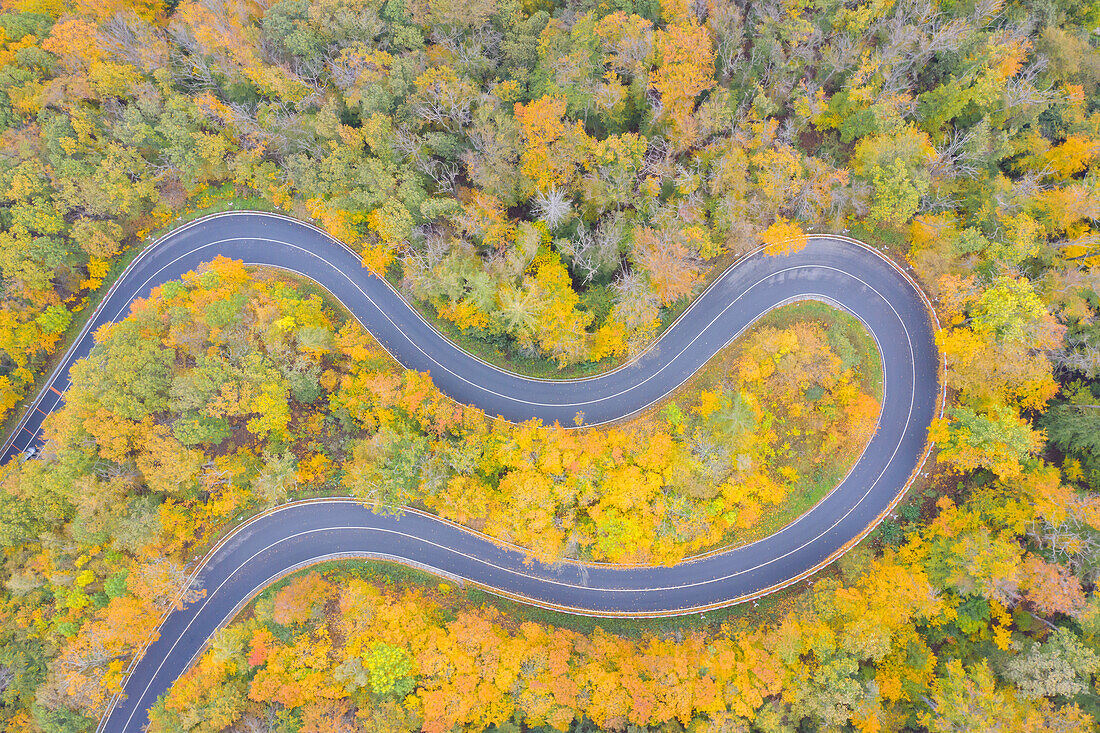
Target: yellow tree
[(783, 237), (684, 70), (553, 145)]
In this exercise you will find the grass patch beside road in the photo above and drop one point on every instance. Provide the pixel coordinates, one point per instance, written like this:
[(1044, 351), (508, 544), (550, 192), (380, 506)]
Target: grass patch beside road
[(857, 350)]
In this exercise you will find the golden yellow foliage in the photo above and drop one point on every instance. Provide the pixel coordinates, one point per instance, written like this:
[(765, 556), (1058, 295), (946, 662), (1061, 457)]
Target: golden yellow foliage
[(783, 237)]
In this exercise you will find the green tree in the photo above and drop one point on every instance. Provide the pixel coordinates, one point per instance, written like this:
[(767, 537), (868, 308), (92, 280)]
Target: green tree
[(130, 374), (1062, 666), (390, 669), (896, 196)]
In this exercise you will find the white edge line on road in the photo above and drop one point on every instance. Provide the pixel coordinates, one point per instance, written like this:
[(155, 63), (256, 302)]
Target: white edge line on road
[(111, 291)]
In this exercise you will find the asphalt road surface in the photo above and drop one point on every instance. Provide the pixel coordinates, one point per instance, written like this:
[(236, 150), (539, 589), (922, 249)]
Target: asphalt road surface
[(832, 269)]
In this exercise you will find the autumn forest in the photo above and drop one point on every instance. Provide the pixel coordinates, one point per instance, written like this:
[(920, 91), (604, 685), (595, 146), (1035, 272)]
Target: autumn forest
[(551, 184)]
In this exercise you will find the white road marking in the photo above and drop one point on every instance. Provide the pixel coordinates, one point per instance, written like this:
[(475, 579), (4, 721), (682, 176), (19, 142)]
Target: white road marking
[(86, 332)]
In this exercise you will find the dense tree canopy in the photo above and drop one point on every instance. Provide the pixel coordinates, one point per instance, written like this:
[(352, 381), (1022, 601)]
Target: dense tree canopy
[(550, 180), (231, 391), (553, 182)]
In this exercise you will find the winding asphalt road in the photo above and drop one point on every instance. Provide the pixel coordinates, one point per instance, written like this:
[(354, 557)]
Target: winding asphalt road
[(833, 269)]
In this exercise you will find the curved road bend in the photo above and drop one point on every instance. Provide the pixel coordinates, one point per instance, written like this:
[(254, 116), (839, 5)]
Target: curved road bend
[(829, 268)]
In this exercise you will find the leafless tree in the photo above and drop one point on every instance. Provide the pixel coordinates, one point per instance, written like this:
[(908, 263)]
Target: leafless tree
[(658, 161), (1023, 188), (1025, 88), (1089, 242), (129, 37), (715, 457), (938, 201), (1079, 354), (344, 72), (1073, 540), (448, 105), (435, 243), (265, 720), (553, 206), (443, 172), (112, 471), (915, 32), (953, 159), (655, 102), (191, 69), (854, 198), (308, 68), (471, 48), (592, 251), (635, 305), (181, 587), (838, 57)]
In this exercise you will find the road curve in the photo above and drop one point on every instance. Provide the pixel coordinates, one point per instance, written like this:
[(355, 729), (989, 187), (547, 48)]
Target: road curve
[(834, 269)]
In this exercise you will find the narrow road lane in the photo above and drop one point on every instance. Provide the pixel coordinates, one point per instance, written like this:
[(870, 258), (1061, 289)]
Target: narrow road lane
[(833, 269)]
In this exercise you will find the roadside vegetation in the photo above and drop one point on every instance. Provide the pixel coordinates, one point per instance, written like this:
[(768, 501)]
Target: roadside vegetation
[(556, 181), (336, 649), (233, 391)]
